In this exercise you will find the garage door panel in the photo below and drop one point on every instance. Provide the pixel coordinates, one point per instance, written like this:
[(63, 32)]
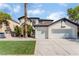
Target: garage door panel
[(61, 33), (40, 34)]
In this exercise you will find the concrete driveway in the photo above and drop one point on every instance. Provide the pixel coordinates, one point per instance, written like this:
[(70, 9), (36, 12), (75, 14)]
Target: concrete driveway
[(52, 47)]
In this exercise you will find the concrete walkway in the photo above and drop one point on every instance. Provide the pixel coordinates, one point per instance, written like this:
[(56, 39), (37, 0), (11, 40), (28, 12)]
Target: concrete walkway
[(56, 47)]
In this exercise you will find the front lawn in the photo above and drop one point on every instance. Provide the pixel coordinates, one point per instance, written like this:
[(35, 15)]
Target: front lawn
[(17, 47)]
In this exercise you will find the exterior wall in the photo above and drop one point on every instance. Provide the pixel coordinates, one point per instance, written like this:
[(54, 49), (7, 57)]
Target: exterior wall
[(21, 21), (3, 27), (34, 21), (45, 29), (28, 22), (58, 26), (12, 24)]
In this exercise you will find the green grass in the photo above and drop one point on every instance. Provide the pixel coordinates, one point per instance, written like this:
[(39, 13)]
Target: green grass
[(17, 47)]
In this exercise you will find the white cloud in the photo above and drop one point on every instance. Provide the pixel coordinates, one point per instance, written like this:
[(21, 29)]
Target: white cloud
[(13, 9), (56, 15), (4, 5), (63, 4), (35, 11), (16, 9)]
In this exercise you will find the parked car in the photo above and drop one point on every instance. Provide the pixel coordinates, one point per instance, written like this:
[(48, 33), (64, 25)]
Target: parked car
[(2, 35)]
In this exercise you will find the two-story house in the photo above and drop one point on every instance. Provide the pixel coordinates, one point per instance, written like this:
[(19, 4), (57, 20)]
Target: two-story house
[(34, 21)]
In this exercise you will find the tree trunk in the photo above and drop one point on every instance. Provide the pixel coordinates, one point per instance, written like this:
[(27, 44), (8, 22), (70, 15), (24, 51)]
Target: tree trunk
[(25, 18)]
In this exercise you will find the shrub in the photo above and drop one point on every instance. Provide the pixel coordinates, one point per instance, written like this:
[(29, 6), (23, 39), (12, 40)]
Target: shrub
[(29, 30), (17, 30)]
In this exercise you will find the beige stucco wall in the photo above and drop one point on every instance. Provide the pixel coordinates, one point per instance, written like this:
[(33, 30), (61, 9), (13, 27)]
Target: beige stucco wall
[(22, 21), (2, 28), (12, 24)]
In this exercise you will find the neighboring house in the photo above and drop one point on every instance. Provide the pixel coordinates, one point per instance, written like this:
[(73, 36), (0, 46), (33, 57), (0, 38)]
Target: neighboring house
[(62, 28), (6, 31), (34, 21), (22, 20)]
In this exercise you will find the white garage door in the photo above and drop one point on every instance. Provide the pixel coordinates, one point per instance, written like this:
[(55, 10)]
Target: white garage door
[(62, 33), (40, 34)]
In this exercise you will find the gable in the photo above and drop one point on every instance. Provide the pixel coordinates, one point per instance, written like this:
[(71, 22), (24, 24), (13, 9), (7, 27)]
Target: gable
[(63, 24), (65, 20)]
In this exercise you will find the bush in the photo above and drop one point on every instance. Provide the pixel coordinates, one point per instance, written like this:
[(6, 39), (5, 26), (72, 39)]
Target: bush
[(29, 30), (17, 31)]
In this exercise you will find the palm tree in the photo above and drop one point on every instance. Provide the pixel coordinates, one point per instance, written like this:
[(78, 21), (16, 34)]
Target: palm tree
[(25, 22)]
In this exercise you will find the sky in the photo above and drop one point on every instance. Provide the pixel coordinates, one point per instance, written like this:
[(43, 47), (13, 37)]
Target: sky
[(16, 10), (53, 11)]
